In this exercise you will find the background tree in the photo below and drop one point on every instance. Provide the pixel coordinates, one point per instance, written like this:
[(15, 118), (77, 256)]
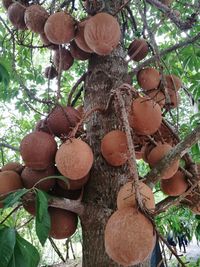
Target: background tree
[(172, 34)]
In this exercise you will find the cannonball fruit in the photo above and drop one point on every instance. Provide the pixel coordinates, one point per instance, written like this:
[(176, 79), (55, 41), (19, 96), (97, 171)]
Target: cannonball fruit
[(148, 78), (102, 33), (63, 223), (31, 177), (60, 28), (173, 82), (157, 96), (7, 3), (38, 150), (129, 237), (13, 166), (145, 117), (16, 13), (126, 196), (63, 59), (61, 120), (80, 39), (174, 98), (47, 43), (73, 184), (175, 186), (50, 72), (35, 18), (74, 159), (59, 191), (9, 181), (138, 49), (77, 53), (114, 148), (159, 153)]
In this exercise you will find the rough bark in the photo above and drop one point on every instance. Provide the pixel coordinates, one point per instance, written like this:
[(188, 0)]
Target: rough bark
[(105, 74)]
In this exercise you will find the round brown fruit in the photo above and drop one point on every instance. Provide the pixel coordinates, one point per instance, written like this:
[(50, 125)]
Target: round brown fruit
[(9, 181), (61, 120), (175, 186), (102, 33), (60, 28), (30, 207), (157, 96), (65, 57), (35, 18), (74, 159), (38, 150), (77, 53), (148, 78), (73, 184), (80, 39), (61, 192), (41, 125), (158, 153), (173, 82), (47, 43), (63, 223), (146, 116), (7, 3), (129, 237), (31, 177), (126, 196), (138, 49), (16, 13), (174, 98), (50, 72), (13, 166), (114, 148)]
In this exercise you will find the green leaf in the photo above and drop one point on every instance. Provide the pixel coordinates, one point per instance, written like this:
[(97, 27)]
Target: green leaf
[(11, 199), (42, 217), (25, 254), (7, 244)]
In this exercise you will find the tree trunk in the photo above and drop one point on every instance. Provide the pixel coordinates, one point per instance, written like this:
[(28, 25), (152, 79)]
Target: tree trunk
[(105, 74)]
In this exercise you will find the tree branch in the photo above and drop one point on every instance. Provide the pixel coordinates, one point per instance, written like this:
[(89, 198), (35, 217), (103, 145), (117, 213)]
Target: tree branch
[(176, 153), (171, 14), (187, 42), (9, 146)]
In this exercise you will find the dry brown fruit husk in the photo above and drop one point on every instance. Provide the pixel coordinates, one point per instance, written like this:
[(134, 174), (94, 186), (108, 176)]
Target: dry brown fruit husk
[(78, 53), (129, 237), (138, 49), (66, 59), (38, 150), (63, 223), (61, 120), (13, 166), (126, 196), (60, 28), (47, 43), (74, 159), (35, 17), (16, 13), (31, 177), (174, 98), (80, 39), (114, 148), (175, 186), (146, 116), (41, 125), (159, 153), (102, 33), (50, 72), (148, 78)]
